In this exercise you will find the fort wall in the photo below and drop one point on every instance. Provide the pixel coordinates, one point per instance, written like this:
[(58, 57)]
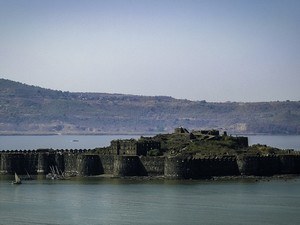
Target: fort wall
[(107, 162), (290, 164), (128, 166), (175, 168), (71, 166), (269, 165), (88, 165), (154, 166), (259, 165), (208, 167), (82, 164)]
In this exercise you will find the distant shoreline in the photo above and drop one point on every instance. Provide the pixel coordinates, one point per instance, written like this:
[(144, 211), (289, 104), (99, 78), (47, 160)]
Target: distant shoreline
[(120, 133), (30, 110), (72, 134)]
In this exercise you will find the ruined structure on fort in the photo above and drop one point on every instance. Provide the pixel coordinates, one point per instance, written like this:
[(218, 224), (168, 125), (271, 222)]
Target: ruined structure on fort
[(180, 155), (134, 147)]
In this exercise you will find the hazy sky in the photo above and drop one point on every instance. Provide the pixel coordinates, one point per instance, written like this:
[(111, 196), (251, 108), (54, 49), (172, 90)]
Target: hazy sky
[(200, 50)]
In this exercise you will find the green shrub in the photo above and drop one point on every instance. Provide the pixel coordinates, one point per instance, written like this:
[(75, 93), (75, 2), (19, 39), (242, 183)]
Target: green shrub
[(154, 152)]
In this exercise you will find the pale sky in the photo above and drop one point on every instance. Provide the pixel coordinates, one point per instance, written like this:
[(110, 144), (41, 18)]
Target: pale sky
[(199, 50)]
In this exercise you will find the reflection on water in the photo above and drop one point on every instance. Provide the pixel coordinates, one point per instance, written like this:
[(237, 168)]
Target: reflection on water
[(127, 201)]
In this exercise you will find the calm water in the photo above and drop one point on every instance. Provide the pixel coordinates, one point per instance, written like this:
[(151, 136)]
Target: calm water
[(93, 141), (279, 141), (115, 201), (123, 201), (58, 141)]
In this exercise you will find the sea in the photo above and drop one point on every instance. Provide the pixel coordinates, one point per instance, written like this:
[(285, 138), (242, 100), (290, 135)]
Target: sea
[(121, 201), (30, 142)]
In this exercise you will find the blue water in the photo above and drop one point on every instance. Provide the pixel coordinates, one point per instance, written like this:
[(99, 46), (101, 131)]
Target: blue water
[(58, 141), (279, 141), (121, 201)]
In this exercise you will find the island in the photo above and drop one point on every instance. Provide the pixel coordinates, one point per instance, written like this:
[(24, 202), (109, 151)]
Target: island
[(183, 154)]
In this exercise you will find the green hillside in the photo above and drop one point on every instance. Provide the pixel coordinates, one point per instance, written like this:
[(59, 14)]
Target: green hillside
[(26, 109)]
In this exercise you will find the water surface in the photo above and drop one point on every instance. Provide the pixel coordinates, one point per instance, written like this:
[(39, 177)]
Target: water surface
[(279, 141), (93, 141), (30, 142), (121, 201)]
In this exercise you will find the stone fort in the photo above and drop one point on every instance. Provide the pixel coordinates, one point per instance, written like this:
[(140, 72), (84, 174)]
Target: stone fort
[(131, 158)]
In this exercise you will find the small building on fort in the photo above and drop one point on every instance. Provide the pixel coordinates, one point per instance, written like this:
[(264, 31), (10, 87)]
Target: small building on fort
[(134, 147)]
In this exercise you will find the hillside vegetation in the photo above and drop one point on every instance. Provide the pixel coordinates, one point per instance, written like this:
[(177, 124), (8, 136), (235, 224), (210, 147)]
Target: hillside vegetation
[(26, 109)]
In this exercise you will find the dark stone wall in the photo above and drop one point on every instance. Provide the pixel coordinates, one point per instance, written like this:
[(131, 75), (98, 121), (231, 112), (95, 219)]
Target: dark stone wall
[(269, 165), (128, 166), (189, 168), (70, 163), (43, 163), (124, 147), (202, 168), (145, 145), (154, 166), (78, 163), (81, 164), (3, 163), (40, 163), (289, 164), (88, 165), (12, 163), (132, 147), (21, 163), (60, 162), (175, 168), (107, 162), (260, 165), (30, 163)]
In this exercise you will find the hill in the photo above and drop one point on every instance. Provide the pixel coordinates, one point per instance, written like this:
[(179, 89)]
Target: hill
[(26, 109)]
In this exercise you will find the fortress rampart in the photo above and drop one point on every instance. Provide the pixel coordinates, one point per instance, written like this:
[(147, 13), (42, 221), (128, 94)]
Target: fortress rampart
[(81, 163), (269, 165), (181, 155)]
